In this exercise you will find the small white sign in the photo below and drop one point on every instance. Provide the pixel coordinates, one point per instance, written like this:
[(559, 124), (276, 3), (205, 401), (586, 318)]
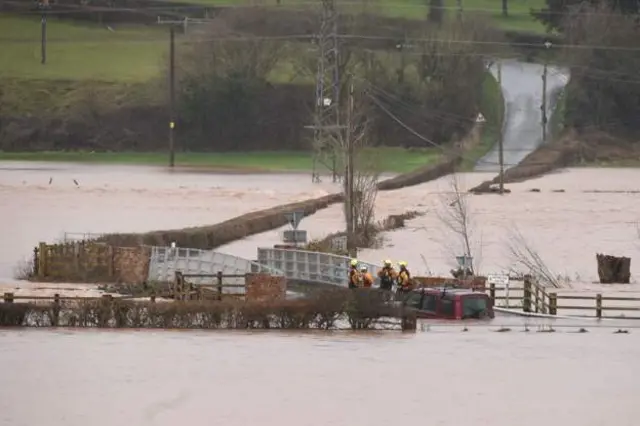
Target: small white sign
[(500, 280)]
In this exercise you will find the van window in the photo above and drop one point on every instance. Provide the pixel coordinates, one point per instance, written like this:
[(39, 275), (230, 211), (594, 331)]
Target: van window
[(474, 307), (413, 300), (430, 303), (447, 307)]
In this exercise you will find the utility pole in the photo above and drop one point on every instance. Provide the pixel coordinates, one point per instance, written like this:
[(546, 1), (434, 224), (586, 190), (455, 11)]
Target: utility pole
[(172, 94), (543, 107), (500, 139), (44, 6), (326, 126), (349, 174)]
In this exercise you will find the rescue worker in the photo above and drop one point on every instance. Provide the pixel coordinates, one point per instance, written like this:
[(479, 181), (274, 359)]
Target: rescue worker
[(354, 274), (367, 279), (387, 276), (404, 278)]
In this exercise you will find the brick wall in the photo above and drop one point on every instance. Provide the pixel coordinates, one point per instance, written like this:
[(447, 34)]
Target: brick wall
[(478, 283), (264, 287)]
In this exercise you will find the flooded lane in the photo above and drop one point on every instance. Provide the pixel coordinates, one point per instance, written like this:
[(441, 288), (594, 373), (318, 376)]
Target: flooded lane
[(103, 378)]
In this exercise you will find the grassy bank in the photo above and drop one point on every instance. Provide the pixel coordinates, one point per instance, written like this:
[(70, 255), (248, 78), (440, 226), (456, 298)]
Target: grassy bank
[(393, 160), (492, 109)]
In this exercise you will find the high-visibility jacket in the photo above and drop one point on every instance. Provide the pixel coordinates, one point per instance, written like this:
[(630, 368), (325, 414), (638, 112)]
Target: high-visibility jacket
[(367, 280), (404, 279), (354, 278), (387, 276)]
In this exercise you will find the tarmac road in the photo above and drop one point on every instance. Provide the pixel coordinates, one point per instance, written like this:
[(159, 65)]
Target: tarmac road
[(522, 92)]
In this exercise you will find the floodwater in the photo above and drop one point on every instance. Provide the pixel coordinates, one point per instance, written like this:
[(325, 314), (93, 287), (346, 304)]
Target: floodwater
[(441, 377), (126, 199), (566, 229)]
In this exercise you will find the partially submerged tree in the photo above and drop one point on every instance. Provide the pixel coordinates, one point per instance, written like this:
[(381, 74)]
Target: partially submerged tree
[(525, 257), (461, 236)]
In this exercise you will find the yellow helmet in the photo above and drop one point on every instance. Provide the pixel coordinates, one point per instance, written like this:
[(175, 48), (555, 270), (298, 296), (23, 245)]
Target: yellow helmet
[(387, 262), (402, 263), (354, 262)]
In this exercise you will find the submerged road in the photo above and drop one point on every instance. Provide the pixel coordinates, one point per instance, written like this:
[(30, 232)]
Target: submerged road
[(522, 92)]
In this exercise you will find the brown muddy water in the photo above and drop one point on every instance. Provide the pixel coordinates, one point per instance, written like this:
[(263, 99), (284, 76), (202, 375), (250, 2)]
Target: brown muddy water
[(126, 199), (436, 377), (597, 212), (441, 377)]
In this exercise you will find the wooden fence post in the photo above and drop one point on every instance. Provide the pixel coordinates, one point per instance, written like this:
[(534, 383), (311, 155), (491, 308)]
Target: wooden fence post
[(42, 260), (8, 298), (492, 293), (599, 306), (537, 299), (55, 317), (526, 298), (553, 303), (219, 276)]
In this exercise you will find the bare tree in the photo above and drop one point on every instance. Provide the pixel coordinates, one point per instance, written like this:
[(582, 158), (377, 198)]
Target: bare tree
[(352, 147), (524, 256), (455, 214)]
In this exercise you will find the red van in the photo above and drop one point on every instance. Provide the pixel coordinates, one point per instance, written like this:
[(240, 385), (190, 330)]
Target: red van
[(449, 303)]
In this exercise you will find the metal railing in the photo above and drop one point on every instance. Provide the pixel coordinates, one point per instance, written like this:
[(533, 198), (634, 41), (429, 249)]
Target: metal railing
[(166, 261), (310, 266)]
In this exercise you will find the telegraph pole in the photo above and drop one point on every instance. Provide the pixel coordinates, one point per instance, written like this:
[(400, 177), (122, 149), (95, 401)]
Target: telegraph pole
[(543, 107), (349, 173), (172, 94), (500, 139), (44, 5)]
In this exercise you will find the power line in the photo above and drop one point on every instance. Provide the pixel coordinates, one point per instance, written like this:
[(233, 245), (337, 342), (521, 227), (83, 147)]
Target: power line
[(307, 5)]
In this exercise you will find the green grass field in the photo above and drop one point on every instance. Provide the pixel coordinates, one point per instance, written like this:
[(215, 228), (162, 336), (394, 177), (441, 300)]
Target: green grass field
[(395, 160), (80, 52), (137, 53)]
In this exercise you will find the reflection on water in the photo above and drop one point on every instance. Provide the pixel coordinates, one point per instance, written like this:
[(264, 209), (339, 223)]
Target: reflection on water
[(445, 377)]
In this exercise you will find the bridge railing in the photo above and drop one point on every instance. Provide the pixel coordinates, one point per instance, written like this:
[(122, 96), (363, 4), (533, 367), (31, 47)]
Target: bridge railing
[(310, 266), (166, 261)]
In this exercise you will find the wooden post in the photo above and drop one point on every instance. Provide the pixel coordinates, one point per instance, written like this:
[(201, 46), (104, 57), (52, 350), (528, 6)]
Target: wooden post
[(219, 276), (492, 293), (35, 261), (526, 298), (42, 260), (55, 317), (153, 298), (553, 304), (599, 306), (8, 298), (537, 299)]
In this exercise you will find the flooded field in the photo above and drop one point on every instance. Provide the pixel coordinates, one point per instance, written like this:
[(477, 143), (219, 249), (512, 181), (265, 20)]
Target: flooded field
[(441, 377), (126, 199), (598, 212)]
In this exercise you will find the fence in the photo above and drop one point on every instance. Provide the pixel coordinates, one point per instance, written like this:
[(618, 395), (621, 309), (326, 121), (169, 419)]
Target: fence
[(309, 265), (166, 261), (217, 287), (90, 262)]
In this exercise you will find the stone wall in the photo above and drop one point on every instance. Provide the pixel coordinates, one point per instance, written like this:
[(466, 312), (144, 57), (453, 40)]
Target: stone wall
[(265, 288), (92, 262)]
